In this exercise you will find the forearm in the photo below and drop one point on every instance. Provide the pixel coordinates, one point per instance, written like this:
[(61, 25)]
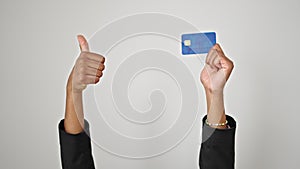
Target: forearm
[(215, 107), (217, 148), (74, 117)]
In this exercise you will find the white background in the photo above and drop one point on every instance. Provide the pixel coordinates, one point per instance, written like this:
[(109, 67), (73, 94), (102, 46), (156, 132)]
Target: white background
[(38, 49)]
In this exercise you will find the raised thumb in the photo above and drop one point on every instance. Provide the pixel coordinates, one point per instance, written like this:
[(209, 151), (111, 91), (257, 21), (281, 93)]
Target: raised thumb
[(83, 44)]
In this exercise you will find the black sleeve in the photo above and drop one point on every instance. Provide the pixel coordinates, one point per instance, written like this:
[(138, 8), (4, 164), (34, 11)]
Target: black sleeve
[(217, 148), (76, 151)]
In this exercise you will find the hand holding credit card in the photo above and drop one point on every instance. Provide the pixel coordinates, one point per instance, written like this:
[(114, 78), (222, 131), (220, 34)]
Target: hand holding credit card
[(197, 43)]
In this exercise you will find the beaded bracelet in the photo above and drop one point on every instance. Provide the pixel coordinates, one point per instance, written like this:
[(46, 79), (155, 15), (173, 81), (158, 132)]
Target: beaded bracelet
[(217, 124)]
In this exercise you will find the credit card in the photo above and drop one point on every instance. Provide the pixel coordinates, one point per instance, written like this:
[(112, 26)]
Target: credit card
[(197, 43)]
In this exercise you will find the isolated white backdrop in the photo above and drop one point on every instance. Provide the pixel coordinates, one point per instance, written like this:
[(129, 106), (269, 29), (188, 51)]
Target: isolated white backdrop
[(38, 49)]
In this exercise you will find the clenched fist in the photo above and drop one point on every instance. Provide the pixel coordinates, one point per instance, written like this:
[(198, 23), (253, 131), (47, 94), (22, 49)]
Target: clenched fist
[(216, 70), (88, 68)]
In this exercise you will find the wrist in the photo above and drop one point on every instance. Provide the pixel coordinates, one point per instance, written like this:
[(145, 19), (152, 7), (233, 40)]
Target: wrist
[(73, 94), (214, 93), (70, 90)]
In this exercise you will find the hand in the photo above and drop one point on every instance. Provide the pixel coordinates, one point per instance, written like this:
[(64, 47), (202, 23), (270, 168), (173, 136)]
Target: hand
[(87, 69), (216, 70)]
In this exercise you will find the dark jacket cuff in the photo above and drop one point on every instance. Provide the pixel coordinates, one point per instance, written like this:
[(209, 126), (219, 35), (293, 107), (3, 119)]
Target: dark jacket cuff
[(76, 151), (219, 136), (217, 148)]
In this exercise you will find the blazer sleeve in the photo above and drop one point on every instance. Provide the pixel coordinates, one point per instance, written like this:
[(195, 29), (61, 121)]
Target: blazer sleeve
[(217, 148), (76, 151)]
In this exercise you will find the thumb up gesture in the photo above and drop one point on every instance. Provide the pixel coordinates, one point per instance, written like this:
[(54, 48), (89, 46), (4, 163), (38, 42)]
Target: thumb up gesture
[(88, 68)]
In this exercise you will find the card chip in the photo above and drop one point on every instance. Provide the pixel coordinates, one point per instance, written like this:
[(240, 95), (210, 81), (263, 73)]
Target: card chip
[(187, 43)]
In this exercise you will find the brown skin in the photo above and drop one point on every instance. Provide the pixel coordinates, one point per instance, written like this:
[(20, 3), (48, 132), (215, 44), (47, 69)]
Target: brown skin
[(214, 77), (87, 70), (89, 67)]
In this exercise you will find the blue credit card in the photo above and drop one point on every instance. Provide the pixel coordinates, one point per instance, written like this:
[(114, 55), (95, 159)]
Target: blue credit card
[(197, 43)]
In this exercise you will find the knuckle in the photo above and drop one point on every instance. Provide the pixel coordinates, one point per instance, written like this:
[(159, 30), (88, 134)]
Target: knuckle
[(100, 74), (231, 63), (97, 79), (101, 67), (102, 59)]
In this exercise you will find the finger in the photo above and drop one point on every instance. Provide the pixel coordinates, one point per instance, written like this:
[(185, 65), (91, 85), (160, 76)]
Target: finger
[(95, 57), (226, 64), (222, 61), (208, 55), (101, 67), (83, 44), (99, 73), (208, 68), (95, 65), (219, 49), (221, 52), (92, 72), (103, 60), (213, 54), (89, 79), (216, 62)]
